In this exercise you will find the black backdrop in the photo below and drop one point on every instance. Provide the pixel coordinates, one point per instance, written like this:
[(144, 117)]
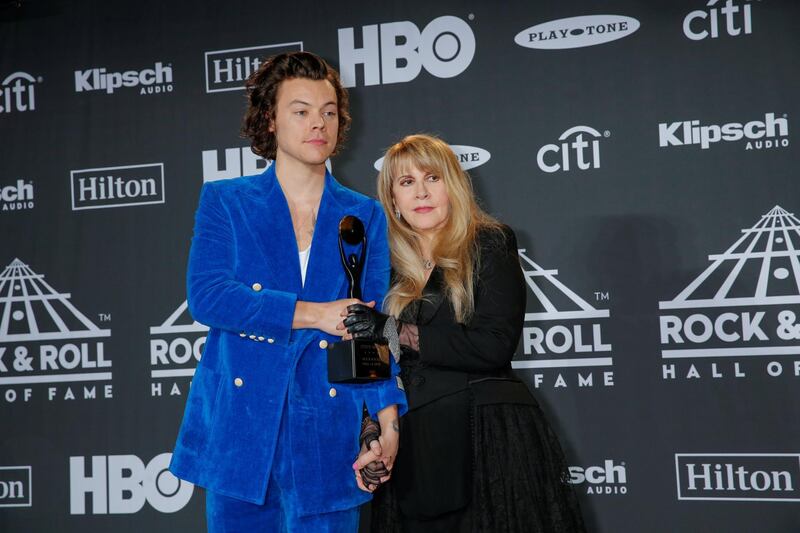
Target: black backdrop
[(642, 153)]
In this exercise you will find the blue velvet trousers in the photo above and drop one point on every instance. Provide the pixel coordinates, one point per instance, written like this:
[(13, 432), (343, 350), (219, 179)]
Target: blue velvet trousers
[(278, 514)]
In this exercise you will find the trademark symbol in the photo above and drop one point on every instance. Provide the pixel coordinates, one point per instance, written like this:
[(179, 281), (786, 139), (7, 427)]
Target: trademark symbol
[(40, 79), (601, 296), (471, 16), (786, 115), (104, 317), (606, 134)]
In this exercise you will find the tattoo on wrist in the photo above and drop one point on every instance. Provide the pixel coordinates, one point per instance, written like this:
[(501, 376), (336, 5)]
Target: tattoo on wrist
[(396, 425)]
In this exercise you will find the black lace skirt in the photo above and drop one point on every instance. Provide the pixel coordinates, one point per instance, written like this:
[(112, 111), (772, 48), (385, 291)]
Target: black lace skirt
[(519, 480)]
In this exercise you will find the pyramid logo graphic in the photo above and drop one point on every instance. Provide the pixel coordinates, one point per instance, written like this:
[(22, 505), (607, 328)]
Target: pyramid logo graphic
[(176, 343), (179, 322), (553, 304), (32, 310), (771, 248)]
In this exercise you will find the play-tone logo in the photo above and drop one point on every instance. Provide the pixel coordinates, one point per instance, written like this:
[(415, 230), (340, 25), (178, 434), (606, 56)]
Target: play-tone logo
[(121, 484), (17, 197), (175, 348), (729, 17), (100, 188), (563, 332), (745, 477), (397, 52), (608, 478), (16, 486), (44, 339), (227, 70), (585, 153), (18, 92), (468, 157), (760, 134), (154, 80), (744, 305), (577, 32)]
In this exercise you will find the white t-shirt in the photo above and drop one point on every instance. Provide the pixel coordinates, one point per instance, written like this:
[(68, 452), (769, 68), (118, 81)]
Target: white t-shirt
[(304, 255)]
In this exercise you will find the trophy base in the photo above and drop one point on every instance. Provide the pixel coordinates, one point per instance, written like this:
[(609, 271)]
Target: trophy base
[(358, 361)]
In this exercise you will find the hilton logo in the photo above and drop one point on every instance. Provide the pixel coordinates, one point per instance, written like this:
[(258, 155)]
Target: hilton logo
[(227, 70), (15, 486), (98, 188)]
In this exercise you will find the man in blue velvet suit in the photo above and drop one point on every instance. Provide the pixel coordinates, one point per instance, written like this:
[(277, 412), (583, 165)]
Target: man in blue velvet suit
[(264, 432)]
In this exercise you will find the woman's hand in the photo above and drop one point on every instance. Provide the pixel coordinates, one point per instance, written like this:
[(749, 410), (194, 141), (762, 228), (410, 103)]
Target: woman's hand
[(374, 465), (325, 316)]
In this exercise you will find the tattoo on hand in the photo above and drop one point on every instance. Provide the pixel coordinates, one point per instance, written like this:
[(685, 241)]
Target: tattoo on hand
[(396, 425)]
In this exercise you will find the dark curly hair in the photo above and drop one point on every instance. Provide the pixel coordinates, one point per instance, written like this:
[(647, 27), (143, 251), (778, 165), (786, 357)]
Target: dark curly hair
[(262, 90)]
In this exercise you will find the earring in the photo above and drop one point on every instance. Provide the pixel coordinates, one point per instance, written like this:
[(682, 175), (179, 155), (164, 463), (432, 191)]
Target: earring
[(397, 213)]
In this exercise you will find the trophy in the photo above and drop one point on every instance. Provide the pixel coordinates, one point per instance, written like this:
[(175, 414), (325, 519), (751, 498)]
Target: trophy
[(356, 360)]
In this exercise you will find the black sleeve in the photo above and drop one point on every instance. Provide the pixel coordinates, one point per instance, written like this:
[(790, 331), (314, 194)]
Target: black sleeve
[(489, 339)]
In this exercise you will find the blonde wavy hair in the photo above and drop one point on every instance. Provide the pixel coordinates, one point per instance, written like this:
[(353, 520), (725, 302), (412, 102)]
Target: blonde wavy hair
[(455, 247)]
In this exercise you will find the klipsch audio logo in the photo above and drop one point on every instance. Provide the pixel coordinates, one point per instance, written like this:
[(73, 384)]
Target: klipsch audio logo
[(17, 197), (154, 80), (121, 484), (398, 51), (743, 309), (468, 157), (44, 339), (583, 151), (727, 17), (577, 32), (238, 162), (227, 70), (563, 332), (98, 188), (18, 92), (607, 478), (758, 477), (175, 348), (15, 486), (760, 134)]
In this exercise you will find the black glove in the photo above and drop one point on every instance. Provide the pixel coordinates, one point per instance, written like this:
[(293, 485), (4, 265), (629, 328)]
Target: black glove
[(364, 322)]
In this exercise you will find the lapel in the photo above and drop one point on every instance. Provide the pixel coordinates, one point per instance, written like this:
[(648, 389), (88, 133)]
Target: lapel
[(325, 276)]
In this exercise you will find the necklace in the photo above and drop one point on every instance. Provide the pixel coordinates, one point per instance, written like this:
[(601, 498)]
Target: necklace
[(427, 264)]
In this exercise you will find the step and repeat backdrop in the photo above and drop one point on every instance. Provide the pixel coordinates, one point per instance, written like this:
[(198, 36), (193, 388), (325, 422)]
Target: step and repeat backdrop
[(642, 151)]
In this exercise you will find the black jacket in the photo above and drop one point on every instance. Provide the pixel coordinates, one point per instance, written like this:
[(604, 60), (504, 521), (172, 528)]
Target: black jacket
[(458, 367)]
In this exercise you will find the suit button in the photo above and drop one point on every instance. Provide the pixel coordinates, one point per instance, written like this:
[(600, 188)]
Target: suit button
[(243, 334), (256, 286), (261, 339), (270, 340), (324, 344), (238, 382), (332, 393), (252, 337)]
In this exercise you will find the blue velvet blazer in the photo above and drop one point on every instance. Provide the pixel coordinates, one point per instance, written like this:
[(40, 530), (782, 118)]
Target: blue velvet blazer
[(243, 281)]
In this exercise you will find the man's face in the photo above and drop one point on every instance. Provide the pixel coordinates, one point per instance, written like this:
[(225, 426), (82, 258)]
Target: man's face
[(306, 123)]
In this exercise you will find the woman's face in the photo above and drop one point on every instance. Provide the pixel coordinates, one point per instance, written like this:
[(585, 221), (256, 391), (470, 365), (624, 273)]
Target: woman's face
[(421, 197)]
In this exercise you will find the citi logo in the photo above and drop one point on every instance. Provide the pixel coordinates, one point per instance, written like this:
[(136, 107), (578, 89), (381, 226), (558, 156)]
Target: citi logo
[(237, 162), (577, 32), (227, 70), (468, 157), (121, 484), (606, 479), (732, 19), (16, 197), (15, 486), (760, 134), (396, 52), (98, 188), (740, 477), (18, 92), (152, 80), (583, 150)]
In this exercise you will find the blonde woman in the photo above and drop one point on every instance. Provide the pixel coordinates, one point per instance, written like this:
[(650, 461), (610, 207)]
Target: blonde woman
[(476, 453)]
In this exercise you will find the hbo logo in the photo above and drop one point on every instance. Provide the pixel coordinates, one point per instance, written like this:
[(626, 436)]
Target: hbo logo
[(120, 484), (397, 52)]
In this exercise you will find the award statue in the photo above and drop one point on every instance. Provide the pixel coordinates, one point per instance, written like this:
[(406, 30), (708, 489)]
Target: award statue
[(357, 360)]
